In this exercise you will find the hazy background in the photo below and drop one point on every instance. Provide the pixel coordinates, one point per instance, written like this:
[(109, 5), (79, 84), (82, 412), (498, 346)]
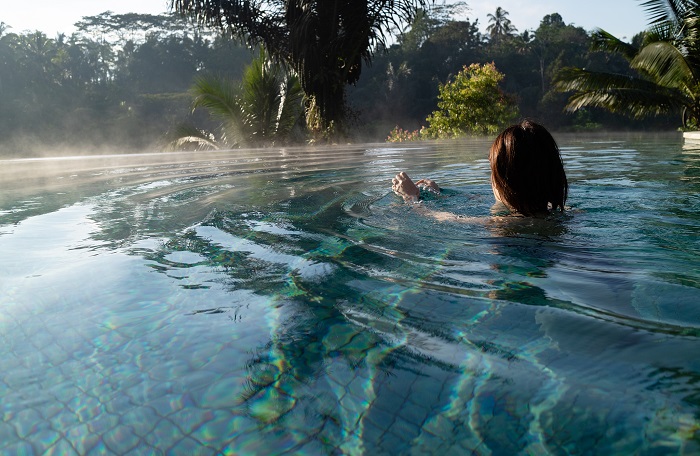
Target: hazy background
[(622, 18), (74, 79)]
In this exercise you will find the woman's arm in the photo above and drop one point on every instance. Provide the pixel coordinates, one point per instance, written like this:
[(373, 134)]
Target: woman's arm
[(403, 186)]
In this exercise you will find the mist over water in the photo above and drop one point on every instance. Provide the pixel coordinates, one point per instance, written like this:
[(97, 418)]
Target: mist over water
[(263, 301)]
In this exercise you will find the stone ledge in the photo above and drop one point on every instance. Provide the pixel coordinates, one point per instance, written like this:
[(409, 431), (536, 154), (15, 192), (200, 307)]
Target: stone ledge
[(692, 137)]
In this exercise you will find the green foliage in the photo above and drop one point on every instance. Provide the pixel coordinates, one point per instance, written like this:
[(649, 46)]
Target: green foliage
[(271, 102), (500, 25), (472, 103), (434, 48), (123, 79), (667, 67), (101, 87), (262, 110), (119, 29), (325, 42), (398, 134)]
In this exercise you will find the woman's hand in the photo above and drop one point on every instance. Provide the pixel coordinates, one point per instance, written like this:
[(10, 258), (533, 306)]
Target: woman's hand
[(403, 186), (429, 185)]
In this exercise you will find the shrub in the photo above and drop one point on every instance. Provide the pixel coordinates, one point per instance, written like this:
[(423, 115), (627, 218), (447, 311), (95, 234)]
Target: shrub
[(471, 103), (398, 134)]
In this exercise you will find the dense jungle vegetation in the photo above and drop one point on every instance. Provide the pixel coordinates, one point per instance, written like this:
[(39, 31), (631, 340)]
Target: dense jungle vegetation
[(124, 81)]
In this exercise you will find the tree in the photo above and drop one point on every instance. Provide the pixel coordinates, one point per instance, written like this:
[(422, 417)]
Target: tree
[(324, 41), (262, 110), (401, 85), (472, 103), (666, 66), (500, 25), (119, 29)]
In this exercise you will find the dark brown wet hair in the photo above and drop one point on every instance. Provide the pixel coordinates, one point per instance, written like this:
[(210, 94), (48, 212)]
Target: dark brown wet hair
[(526, 169)]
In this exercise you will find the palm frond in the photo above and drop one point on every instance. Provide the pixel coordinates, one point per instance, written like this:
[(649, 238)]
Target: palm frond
[(192, 138), (633, 103), (254, 21), (667, 10), (261, 96), (691, 41), (665, 63), (662, 31), (219, 96), (622, 94), (604, 41), (197, 142), (325, 42)]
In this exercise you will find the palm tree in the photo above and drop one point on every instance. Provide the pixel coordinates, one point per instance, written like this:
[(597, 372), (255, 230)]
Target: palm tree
[(325, 42), (667, 67), (262, 110), (500, 24)]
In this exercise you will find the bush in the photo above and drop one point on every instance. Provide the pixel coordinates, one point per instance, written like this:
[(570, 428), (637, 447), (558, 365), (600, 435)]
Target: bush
[(398, 134), (471, 103)]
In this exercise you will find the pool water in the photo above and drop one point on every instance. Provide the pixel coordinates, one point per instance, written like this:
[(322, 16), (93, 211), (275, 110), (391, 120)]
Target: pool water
[(284, 301)]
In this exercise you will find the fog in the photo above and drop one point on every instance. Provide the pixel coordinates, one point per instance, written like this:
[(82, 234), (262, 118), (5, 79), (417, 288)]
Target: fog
[(103, 91)]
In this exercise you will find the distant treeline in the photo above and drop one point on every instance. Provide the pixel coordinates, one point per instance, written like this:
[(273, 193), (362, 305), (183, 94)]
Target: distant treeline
[(122, 81)]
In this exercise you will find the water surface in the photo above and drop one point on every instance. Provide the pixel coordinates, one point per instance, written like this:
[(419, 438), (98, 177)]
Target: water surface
[(284, 301)]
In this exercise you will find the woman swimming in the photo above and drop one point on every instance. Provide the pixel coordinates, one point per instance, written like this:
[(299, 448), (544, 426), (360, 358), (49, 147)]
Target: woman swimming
[(527, 173)]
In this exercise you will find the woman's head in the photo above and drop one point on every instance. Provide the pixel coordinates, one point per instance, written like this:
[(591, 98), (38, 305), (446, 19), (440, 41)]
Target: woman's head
[(527, 173)]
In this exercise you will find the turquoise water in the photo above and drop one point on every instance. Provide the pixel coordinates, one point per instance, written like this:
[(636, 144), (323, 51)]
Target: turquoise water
[(285, 302)]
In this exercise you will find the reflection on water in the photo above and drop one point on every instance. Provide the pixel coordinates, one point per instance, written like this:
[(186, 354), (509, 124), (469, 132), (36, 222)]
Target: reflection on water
[(262, 302)]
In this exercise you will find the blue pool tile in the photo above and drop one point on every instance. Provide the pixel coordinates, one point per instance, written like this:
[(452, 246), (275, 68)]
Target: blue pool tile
[(44, 439), (143, 392), (169, 370), (190, 418), (121, 439), (404, 429), (117, 403), (142, 420), (20, 377), (310, 447), (222, 427), (169, 403), (371, 431), (100, 449), (380, 419), (81, 438), (189, 446), (64, 419), (22, 448), (85, 407), (224, 393), (61, 448), (28, 422), (50, 409), (7, 434), (164, 435), (414, 414), (195, 379)]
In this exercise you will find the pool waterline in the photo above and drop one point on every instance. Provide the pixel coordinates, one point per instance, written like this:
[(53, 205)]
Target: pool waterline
[(284, 301)]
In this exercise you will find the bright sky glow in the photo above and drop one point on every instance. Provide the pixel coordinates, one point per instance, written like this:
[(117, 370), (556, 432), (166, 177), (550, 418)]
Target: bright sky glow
[(622, 18)]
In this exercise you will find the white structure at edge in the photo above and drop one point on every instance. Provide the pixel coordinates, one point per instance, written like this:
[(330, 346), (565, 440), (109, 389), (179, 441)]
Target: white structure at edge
[(692, 137)]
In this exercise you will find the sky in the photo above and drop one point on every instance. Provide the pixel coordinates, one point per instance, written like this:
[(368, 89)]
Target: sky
[(622, 18)]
